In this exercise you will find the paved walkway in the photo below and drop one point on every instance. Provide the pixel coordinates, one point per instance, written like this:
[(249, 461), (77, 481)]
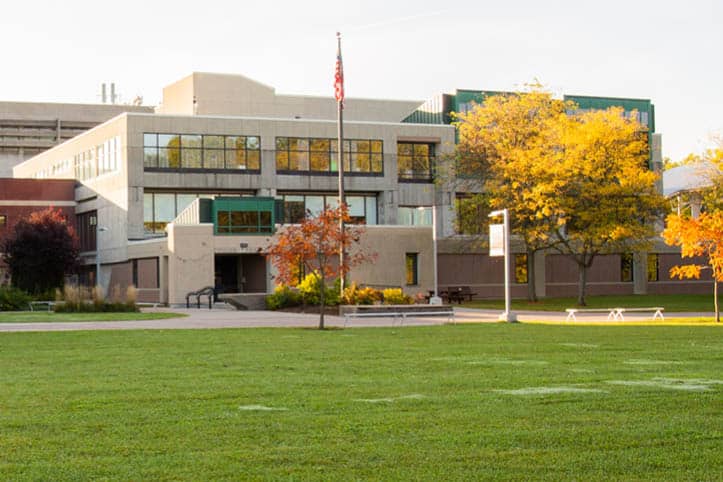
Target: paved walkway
[(226, 318)]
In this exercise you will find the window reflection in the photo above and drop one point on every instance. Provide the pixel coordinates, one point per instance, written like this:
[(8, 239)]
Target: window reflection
[(321, 155), (196, 151)]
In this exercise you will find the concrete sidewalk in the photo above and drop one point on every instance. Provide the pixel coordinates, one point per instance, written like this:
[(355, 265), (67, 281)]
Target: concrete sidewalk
[(226, 318)]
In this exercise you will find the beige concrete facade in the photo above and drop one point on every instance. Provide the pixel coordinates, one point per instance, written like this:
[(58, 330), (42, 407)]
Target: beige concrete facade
[(28, 128), (186, 257), (203, 93)]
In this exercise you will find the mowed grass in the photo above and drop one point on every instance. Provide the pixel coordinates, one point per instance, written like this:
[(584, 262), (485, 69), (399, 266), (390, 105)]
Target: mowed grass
[(464, 402), (51, 317), (671, 303)]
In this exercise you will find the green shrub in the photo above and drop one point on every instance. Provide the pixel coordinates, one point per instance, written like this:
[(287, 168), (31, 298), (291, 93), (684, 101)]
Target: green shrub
[(395, 296), (13, 299), (310, 290), (354, 295), (283, 297)]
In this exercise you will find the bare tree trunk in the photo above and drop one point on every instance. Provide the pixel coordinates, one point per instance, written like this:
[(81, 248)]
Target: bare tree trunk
[(581, 283), (715, 300), (531, 286), (322, 301)]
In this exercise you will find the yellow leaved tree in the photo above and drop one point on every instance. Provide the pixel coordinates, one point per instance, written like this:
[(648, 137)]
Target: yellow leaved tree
[(702, 237), (504, 149), (605, 198)]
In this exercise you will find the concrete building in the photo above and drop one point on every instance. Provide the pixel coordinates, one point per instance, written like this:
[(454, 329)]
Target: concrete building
[(29, 128), (190, 196), (235, 141)]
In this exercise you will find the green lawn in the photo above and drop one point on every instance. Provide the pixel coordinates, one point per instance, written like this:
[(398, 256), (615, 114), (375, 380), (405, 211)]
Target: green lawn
[(49, 316), (465, 402), (671, 303)]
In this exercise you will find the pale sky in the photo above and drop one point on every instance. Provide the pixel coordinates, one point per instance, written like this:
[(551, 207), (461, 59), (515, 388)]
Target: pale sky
[(662, 50)]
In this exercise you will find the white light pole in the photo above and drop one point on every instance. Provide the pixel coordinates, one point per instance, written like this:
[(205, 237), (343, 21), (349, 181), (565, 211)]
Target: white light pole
[(507, 315), (434, 300), (98, 229)]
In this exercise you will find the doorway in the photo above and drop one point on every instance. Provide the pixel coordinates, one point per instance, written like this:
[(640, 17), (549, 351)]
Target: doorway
[(240, 273)]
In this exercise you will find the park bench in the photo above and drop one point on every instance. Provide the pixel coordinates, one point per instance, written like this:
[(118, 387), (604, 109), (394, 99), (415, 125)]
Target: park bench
[(615, 314), (37, 304), (398, 312)]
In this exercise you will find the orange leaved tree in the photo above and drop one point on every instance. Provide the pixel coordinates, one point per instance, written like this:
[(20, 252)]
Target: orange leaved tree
[(700, 237), (315, 244)]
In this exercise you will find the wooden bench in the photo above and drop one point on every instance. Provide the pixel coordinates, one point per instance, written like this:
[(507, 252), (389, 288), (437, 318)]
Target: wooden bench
[(398, 313), (615, 314)]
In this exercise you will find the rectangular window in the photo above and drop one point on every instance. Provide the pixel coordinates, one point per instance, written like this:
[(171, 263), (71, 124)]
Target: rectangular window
[(3, 221), (362, 209), (414, 216), (87, 224), (415, 161), (321, 155), (521, 276), (412, 276), (626, 268), (653, 267), (196, 151)]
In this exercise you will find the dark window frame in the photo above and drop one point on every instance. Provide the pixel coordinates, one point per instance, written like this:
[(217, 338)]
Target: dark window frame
[(251, 149), (283, 155), (415, 174)]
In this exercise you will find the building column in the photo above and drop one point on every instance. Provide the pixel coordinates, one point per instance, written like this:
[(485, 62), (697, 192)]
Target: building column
[(163, 279)]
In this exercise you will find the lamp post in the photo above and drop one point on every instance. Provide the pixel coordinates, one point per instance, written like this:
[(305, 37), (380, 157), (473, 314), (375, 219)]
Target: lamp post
[(507, 315), (434, 300), (98, 229)]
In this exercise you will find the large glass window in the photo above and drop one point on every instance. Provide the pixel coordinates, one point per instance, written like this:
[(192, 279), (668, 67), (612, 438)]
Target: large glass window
[(415, 161), (160, 208), (239, 217), (321, 155), (413, 216), (362, 209), (196, 151)]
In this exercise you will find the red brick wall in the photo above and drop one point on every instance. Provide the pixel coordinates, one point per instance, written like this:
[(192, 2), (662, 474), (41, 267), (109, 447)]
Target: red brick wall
[(50, 190)]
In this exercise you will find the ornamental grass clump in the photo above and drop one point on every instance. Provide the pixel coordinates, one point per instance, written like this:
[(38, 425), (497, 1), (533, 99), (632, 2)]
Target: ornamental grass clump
[(80, 299)]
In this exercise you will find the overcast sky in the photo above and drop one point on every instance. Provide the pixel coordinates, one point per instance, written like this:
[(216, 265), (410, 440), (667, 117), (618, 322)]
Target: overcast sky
[(663, 50)]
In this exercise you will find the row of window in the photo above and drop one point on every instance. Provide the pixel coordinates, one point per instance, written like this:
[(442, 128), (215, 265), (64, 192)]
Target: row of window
[(196, 151), (292, 154), (160, 208), (521, 276), (362, 209), (321, 155)]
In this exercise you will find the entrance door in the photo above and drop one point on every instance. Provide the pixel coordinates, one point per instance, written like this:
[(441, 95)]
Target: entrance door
[(226, 273), (253, 273)]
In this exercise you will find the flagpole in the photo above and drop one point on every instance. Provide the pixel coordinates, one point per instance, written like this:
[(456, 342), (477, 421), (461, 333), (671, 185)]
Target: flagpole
[(339, 92)]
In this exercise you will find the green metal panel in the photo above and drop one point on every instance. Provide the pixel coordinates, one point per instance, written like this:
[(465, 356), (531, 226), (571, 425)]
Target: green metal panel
[(241, 204)]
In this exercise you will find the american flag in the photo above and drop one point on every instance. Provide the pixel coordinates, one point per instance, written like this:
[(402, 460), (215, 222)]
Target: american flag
[(339, 77)]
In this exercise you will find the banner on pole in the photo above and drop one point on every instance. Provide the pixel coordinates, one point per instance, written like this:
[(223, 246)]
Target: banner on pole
[(497, 239)]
